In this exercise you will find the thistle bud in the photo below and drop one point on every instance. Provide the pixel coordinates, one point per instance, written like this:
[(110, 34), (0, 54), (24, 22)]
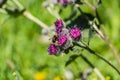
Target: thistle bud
[(75, 33), (52, 49), (59, 26), (62, 39)]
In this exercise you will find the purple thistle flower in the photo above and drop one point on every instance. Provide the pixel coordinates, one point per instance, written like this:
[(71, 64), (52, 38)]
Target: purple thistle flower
[(62, 39), (66, 1), (60, 1), (63, 2), (52, 49), (59, 25), (75, 33)]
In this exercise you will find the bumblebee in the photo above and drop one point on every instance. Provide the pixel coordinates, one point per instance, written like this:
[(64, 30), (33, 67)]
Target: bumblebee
[(54, 39)]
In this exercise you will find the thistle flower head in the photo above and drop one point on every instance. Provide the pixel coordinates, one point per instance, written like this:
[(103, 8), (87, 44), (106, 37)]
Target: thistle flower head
[(66, 1), (58, 25), (63, 2), (62, 39), (75, 32), (52, 49)]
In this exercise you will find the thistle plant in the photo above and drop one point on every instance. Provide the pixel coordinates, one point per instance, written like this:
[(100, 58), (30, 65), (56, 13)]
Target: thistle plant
[(61, 40), (69, 31), (65, 39), (68, 36)]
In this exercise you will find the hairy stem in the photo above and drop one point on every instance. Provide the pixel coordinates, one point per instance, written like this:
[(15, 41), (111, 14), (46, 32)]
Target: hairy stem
[(28, 15), (96, 54), (93, 8), (18, 4), (34, 19), (86, 60), (95, 69), (53, 13), (103, 36), (106, 39)]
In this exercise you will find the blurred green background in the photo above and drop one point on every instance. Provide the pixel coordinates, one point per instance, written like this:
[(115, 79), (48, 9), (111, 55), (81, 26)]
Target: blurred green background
[(23, 50)]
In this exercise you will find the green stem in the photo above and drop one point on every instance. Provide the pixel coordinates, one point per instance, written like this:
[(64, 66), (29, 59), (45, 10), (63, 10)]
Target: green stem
[(87, 61), (96, 54), (102, 35), (28, 15), (93, 67)]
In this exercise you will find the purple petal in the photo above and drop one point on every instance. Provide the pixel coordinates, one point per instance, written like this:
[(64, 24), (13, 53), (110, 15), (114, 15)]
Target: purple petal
[(62, 39), (59, 23), (75, 33), (52, 49)]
